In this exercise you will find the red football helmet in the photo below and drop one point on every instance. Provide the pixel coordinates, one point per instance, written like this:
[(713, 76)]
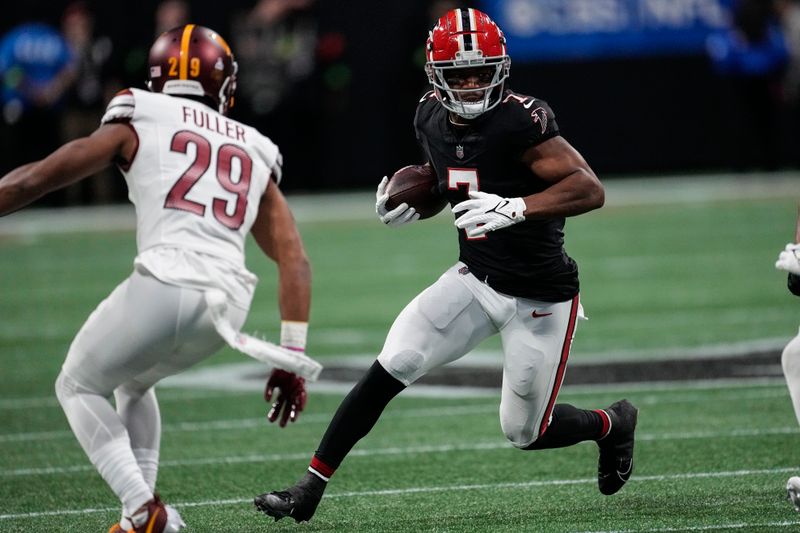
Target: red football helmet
[(195, 61), (467, 40)]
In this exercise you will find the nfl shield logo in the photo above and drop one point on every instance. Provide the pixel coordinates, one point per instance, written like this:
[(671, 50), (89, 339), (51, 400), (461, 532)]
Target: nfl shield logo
[(459, 151)]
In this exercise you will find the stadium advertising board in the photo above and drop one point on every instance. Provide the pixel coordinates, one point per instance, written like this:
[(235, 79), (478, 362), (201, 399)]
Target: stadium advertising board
[(552, 30)]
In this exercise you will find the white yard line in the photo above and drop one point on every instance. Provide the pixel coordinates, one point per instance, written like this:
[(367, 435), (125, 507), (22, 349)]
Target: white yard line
[(410, 450), (177, 394), (764, 526), (772, 389), (446, 488)]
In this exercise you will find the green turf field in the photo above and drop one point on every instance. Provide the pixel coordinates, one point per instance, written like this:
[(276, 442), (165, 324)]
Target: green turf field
[(659, 273)]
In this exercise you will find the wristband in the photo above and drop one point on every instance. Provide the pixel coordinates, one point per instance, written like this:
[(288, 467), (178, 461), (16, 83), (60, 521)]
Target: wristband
[(293, 335)]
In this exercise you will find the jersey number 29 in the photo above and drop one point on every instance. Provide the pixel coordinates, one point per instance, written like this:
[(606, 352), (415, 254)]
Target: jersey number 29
[(176, 199)]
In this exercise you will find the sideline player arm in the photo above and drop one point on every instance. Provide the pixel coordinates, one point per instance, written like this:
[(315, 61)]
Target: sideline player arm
[(70, 163), (574, 187)]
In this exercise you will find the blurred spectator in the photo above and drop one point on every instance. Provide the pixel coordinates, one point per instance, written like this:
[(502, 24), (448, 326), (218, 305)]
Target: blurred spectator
[(86, 99), (168, 14), (275, 43), (36, 67), (752, 54), (789, 13), (171, 14)]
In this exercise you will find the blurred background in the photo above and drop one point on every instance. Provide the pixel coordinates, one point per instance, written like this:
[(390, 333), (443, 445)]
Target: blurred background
[(687, 109), (640, 87)]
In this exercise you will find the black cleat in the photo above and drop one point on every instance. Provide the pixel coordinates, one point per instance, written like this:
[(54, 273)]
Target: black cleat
[(616, 450), (298, 501)]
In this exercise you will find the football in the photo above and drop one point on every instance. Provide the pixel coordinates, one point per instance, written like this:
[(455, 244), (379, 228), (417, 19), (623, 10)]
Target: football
[(417, 186)]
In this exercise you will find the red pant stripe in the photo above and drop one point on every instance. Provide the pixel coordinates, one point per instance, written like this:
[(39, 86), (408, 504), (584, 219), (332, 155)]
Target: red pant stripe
[(562, 365)]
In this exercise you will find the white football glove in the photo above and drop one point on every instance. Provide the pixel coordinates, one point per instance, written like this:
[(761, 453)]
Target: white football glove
[(492, 211), (789, 259), (402, 214)]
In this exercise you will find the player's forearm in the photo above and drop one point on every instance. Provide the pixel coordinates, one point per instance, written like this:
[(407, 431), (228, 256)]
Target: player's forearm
[(294, 291), (578, 193), (19, 187), (70, 163)]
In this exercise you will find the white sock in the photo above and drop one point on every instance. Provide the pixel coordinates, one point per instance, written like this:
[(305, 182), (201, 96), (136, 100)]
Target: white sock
[(124, 523), (118, 466)]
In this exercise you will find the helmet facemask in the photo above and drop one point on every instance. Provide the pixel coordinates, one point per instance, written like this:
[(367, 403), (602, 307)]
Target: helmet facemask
[(491, 72)]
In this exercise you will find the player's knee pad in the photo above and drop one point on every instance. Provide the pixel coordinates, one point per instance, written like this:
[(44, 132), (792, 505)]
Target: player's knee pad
[(65, 388), (405, 366), (68, 387), (518, 433)]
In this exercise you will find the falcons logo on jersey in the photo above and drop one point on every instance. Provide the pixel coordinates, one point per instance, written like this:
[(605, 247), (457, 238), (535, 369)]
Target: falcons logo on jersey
[(540, 116)]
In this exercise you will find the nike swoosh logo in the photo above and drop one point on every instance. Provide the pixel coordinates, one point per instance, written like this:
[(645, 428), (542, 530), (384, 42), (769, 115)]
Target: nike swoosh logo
[(539, 315), (627, 473), (528, 105)]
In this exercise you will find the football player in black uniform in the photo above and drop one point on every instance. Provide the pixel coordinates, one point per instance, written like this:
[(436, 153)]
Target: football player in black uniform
[(789, 261), (511, 179)]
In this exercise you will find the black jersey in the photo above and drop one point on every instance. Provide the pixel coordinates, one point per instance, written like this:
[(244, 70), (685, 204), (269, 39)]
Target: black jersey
[(528, 258)]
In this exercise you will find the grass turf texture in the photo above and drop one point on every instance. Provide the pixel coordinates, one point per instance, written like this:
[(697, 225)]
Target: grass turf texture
[(656, 277)]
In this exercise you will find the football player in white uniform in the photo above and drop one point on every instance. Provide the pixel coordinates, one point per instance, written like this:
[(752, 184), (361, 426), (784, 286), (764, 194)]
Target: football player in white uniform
[(200, 182), (789, 261)]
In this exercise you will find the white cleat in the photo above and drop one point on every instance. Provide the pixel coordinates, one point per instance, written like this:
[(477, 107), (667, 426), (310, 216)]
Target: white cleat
[(793, 491), (175, 523)]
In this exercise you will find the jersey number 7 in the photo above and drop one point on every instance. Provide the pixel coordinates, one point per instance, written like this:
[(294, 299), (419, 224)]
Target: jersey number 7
[(176, 199), (468, 178)]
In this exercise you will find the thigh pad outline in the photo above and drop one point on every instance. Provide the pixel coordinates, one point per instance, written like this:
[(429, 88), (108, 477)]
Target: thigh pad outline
[(444, 301)]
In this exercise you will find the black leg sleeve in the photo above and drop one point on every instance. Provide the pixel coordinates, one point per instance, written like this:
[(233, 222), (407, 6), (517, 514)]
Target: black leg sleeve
[(569, 426), (357, 414)]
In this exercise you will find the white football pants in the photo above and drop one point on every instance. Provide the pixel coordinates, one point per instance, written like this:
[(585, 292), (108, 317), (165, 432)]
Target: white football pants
[(144, 331), (457, 312), (790, 360)]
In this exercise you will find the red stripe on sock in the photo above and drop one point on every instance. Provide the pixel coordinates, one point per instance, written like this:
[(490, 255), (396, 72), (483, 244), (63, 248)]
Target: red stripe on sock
[(606, 423), (321, 467)]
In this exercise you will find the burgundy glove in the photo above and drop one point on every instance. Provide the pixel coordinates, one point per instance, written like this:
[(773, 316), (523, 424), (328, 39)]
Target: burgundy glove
[(291, 398)]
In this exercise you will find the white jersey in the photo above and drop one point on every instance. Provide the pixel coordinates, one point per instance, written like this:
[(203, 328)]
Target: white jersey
[(196, 180)]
